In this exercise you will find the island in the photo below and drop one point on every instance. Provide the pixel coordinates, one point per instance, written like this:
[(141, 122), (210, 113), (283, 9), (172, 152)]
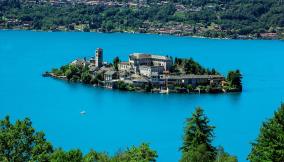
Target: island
[(148, 73)]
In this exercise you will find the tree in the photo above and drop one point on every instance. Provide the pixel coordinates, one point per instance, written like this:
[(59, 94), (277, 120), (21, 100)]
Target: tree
[(71, 72), (197, 141), (143, 153), (58, 155), (69, 156), (198, 136), (94, 156), (116, 60), (97, 78), (235, 78), (223, 156), (269, 145), (86, 77), (213, 72), (20, 142)]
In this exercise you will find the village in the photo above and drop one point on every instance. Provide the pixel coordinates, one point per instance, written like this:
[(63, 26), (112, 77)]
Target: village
[(109, 16), (142, 72)]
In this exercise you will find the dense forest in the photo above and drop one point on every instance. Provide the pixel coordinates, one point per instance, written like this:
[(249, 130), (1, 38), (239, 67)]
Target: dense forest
[(210, 18)]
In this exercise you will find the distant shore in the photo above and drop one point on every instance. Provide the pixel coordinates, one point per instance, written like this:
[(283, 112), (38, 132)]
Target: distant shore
[(130, 32)]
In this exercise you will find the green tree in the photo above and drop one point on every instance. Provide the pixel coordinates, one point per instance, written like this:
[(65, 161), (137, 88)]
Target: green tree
[(72, 72), (86, 77), (69, 156), (97, 78), (269, 145), (223, 156), (235, 78), (116, 60), (143, 153), (20, 142), (94, 156), (198, 135), (58, 155), (121, 85)]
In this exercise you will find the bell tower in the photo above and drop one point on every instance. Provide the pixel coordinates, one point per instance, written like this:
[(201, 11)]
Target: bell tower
[(99, 57)]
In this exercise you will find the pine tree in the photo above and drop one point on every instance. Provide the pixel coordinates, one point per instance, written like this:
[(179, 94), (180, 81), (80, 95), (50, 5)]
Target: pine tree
[(269, 145), (198, 136)]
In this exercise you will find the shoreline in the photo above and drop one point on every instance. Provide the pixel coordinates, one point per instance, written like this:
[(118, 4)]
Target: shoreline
[(148, 73), (105, 88), (128, 32), (153, 91)]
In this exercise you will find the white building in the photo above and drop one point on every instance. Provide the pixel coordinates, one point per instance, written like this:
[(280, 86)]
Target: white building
[(148, 70), (124, 66), (140, 59)]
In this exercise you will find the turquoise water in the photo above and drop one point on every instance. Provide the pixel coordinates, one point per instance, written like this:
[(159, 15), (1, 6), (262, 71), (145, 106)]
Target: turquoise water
[(114, 119)]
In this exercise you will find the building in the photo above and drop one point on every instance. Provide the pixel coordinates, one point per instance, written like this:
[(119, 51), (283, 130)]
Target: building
[(124, 66), (139, 59), (124, 75), (110, 78), (148, 70), (110, 75), (155, 78), (80, 63), (140, 82), (99, 57), (192, 79)]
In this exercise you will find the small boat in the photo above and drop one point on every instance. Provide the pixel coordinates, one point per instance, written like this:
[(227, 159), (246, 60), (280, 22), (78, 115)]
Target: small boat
[(164, 91), (83, 112)]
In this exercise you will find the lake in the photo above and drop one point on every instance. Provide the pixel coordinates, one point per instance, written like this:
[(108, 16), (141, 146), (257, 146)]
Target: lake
[(114, 119)]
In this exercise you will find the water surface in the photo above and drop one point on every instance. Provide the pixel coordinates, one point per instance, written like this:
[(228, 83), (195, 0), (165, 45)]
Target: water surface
[(115, 119)]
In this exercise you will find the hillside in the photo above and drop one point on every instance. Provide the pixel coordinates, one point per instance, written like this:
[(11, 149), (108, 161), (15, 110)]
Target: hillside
[(237, 19)]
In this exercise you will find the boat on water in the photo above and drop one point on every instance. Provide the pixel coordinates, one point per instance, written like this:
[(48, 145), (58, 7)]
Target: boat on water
[(83, 112)]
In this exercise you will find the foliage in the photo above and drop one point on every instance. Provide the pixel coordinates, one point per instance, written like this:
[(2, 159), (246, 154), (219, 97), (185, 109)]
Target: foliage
[(97, 78), (198, 136), (72, 72), (116, 60), (75, 73), (189, 66), (86, 77), (190, 87), (269, 145), (69, 156), (121, 85), (223, 156), (20, 142), (235, 78), (143, 153), (94, 156), (218, 18)]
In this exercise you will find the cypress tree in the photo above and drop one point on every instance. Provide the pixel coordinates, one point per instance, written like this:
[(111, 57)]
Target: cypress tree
[(269, 145)]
